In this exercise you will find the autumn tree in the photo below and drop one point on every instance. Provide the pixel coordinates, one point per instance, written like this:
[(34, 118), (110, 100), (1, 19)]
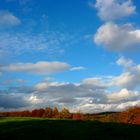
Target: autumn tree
[(25, 113), (34, 113), (48, 112), (65, 113), (77, 116), (55, 112)]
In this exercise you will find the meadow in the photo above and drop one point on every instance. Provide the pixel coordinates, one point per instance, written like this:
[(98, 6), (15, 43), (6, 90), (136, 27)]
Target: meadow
[(23, 128)]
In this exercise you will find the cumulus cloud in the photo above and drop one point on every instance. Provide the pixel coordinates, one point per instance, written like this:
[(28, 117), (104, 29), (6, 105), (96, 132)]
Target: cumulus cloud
[(130, 78), (96, 108), (44, 85), (117, 37), (122, 95), (122, 61), (88, 99), (8, 19), (41, 67), (90, 95), (109, 10), (12, 100), (96, 82)]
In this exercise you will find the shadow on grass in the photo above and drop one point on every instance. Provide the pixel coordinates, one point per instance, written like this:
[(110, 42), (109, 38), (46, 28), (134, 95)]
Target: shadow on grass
[(67, 130)]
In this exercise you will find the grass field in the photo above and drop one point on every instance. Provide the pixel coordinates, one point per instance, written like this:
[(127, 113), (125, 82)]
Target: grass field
[(50, 129)]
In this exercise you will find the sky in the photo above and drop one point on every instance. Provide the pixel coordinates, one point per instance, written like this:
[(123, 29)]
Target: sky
[(81, 54)]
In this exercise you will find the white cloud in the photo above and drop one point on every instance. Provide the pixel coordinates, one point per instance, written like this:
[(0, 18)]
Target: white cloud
[(125, 80), (77, 68), (85, 96), (33, 99), (96, 108), (117, 37), (18, 43), (128, 104), (130, 78), (8, 19), (46, 43), (122, 95), (44, 85), (89, 96), (41, 67), (96, 82), (109, 10), (94, 94), (122, 61)]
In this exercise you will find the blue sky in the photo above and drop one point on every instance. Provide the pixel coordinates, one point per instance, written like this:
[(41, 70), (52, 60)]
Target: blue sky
[(88, 48)]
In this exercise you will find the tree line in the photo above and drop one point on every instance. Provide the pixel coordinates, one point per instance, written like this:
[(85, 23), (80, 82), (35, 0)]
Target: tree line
[(131, 115), (46, 113)]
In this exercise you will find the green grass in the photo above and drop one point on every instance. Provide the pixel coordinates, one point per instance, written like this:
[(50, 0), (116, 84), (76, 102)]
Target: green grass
[(52, 129)]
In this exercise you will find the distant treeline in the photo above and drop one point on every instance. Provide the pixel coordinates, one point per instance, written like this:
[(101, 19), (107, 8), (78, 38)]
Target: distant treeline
[(131, 115)]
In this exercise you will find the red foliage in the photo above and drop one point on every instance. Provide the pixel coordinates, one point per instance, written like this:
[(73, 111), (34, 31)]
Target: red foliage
[(55, 113), (131, 115), (77, 116), (48, 112)]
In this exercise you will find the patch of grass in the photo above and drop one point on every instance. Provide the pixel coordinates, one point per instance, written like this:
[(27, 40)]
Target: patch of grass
[(52, 129)]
